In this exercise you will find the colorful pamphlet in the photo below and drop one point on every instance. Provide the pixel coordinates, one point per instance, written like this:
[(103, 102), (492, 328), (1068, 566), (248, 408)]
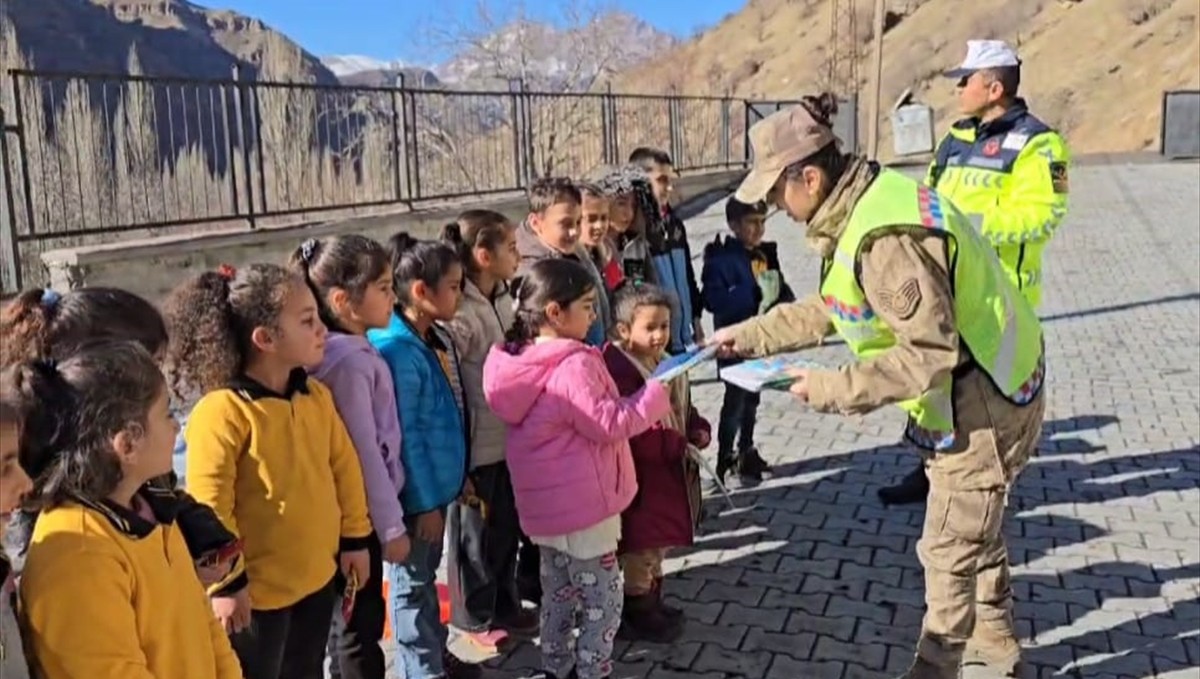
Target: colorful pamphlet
[(673, 367), (765, 373)]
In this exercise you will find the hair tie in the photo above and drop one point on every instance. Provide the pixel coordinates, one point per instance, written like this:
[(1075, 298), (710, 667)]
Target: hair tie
[(48, 367), (50, 298), (307, 249)]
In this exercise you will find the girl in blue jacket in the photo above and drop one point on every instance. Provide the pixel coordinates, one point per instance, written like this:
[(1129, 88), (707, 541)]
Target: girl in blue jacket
[(428, 278)]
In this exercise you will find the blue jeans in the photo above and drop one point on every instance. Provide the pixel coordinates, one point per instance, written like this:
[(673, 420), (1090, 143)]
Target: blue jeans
[(416, 616)]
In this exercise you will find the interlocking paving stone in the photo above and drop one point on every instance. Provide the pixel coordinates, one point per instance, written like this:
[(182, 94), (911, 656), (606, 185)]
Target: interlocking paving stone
[(1102, 526)]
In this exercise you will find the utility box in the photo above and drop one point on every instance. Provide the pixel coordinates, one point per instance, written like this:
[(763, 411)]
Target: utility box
[(912, 129), (1181, 124)]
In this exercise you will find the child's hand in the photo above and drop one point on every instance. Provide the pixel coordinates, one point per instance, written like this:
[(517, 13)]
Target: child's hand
[(357, 562), (233, 612), (701, 438), (430, 526), (396, 550), (468, 490), (212, 572)]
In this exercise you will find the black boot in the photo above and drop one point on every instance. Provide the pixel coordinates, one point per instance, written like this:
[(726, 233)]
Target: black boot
[(751, 466), (912, 489), (643, 620), (669, 611)]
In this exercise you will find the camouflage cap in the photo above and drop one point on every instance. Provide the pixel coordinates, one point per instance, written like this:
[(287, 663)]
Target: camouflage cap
[(618, 180), (779, 140)]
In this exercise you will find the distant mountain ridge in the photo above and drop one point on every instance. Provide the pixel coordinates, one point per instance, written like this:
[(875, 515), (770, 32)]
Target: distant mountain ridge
[(544, 56), (173, 38), (178, 38)]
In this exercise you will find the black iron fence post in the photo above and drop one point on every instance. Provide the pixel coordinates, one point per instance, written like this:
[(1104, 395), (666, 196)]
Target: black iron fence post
[(398, 153), (726, 103), (608, 117), (23, 153), (239, 109), (747, 154), (10, 255), (412, 147), (520, 161), (229, 142), (673, 131), (530, 152), (256, 124)]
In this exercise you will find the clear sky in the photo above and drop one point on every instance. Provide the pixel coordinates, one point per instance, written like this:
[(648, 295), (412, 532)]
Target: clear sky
[(385, 29)]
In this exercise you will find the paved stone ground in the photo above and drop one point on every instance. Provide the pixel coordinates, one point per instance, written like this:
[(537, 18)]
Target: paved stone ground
[(813, 579)]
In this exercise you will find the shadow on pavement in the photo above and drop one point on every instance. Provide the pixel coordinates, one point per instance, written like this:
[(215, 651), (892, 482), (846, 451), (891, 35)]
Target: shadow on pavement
[(812, 571)]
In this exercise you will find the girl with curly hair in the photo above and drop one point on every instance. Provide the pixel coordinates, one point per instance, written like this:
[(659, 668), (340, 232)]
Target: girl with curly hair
[(268, 451)]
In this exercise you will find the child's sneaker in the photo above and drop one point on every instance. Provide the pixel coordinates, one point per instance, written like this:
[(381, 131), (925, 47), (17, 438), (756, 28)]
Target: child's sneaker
[(726, 462), (488, 641)]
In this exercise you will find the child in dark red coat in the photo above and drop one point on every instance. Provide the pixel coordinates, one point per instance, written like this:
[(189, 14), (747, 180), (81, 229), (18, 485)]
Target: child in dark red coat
[(666, 509)]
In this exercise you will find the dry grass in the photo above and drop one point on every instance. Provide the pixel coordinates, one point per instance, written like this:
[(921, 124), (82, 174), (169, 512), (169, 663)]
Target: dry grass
[(1096, 69)]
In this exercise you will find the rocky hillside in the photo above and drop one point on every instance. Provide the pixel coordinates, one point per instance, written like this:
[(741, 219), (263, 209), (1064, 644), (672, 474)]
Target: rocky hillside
[(173, 38), (1094, 68)]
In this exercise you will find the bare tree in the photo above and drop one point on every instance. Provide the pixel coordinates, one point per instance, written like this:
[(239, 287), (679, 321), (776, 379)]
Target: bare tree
[(496, 48)]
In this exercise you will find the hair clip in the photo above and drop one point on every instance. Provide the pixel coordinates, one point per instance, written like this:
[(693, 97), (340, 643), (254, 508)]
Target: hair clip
[(226, 271), (307, 249), (50, 298)]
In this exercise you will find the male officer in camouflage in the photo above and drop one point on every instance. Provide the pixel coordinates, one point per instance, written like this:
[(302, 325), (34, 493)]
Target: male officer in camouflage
[(1007, 171)]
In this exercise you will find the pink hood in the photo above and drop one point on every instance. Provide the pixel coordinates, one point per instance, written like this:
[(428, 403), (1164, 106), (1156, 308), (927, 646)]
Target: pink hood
[(514, 382)]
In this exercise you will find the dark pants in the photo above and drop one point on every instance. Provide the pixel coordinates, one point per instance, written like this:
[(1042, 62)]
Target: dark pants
[(287, 643), (739, 414), (529, 569), (354, 647), (482, 562)]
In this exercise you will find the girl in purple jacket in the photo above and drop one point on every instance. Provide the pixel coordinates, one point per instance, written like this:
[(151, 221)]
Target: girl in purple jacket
[(568, 455), (351, 278)]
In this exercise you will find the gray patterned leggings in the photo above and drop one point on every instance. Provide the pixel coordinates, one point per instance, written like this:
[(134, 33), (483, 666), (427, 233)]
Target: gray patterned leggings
[(584, 591)]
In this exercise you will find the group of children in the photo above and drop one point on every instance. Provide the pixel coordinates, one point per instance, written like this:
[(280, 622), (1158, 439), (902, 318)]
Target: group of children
[(349, 411)]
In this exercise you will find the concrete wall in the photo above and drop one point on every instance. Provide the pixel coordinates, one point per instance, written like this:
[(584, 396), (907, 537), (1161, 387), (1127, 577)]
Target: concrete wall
[(151, 267)]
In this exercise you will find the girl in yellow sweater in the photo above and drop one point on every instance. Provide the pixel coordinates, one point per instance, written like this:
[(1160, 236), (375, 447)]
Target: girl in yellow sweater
[(109, 590), (268, 451)]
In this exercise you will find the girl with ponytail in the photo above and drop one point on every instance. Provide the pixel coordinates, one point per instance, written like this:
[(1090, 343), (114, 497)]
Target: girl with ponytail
[(568, 454), (424, 365), (108, 589), (485, 536), (351, 279), (44, 324), (268, 451)]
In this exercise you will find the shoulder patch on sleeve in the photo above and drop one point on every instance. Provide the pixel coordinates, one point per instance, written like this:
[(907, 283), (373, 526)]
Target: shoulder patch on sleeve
[(1058, 176), (902, 301)]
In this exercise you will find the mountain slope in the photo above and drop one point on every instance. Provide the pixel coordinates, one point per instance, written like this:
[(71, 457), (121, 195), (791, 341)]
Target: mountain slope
[(173, 38), (1096, 69)]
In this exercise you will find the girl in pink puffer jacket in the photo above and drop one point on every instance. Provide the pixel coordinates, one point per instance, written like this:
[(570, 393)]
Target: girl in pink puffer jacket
[(568, 455)]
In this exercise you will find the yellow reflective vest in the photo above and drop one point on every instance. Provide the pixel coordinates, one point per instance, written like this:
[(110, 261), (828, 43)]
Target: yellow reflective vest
[(996, 324), (1010, 177)]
